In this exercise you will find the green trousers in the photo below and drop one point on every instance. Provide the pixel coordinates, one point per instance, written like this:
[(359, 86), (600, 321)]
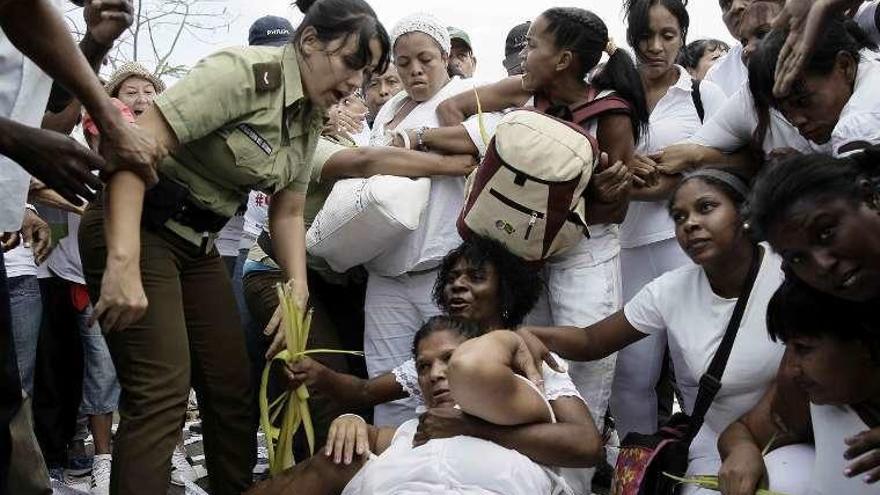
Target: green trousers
[(190, 336)]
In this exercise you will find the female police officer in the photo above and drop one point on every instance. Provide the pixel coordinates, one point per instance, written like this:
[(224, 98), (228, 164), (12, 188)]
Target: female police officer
[(242, 119)]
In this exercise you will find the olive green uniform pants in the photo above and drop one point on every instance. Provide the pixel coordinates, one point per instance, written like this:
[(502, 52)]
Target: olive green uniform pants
[(190, 334)]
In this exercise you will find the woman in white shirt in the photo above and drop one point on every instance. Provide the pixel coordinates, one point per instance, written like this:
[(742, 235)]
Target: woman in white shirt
[(656, 29), (827, 391), (834, 103), (692, 306), (448, 450), (400, 281)]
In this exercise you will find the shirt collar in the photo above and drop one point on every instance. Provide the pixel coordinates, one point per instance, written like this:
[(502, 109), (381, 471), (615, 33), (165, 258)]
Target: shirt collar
[(293, 87)]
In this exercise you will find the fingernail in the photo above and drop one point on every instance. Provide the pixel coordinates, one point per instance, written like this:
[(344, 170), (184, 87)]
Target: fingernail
[(847, 472)]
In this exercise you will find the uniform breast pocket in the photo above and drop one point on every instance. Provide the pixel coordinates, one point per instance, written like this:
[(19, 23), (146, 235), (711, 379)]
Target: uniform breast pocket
[(254, 155)]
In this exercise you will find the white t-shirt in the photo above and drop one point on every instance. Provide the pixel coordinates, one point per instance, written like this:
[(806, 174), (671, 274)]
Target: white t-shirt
[(673, 120), (831, 425), (729, 72), (24, 92), (859, 120), (255, 218), (436, 234), (20, 262), (458, 465), (682, 304), (869, 20), (734, 126), (229, 237)]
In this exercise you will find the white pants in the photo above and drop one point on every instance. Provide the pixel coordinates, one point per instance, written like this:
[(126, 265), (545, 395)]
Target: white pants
[(395, 308), (634, 399), (583, 287)]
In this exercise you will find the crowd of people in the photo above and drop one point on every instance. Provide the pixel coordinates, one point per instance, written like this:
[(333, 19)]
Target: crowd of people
[(732, 209)]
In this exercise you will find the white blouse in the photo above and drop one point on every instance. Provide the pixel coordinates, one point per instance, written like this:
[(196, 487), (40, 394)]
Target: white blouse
[(673, 120)]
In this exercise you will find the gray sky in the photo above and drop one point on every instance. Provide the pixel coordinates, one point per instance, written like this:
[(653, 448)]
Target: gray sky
[(486, 21)]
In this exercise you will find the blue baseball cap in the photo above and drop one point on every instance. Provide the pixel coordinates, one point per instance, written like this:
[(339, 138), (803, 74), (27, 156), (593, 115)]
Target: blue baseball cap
[(270, 30)]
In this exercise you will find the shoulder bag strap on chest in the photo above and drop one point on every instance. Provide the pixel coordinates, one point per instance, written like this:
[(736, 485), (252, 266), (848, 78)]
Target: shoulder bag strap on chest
[(710, 382)]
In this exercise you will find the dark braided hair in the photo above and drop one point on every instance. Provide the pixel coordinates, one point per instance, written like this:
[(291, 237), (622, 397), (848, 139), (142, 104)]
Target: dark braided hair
[(586, 35), (339, 19)]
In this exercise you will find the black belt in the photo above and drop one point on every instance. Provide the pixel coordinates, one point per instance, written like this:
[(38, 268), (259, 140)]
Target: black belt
[(169, 200)]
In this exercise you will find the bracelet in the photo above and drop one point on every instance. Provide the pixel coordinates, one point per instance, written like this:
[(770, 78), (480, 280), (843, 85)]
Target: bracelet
[(420, 138), (352, 414), (405, 137)]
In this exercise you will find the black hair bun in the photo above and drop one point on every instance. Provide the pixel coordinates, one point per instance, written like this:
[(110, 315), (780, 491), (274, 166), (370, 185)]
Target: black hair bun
[(305, 5)]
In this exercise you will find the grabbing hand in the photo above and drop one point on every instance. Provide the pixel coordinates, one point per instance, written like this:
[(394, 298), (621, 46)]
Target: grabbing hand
[(644, 171), (348, 435), (106, 20), (742, 473), (123, 300), (57, 160), (36, 235), (128, 147), (9, 240), (444, 422), (864, 449), (538, 350), (306, 371), (677, 158), (612, 183)]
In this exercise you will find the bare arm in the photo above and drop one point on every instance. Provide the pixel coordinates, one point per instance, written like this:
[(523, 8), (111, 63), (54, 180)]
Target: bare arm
[(615, 138), (122, 300), (288, 237), (354, 392), (368, 161), (781, 417), (493, 98), (589, 344), (682, 157)]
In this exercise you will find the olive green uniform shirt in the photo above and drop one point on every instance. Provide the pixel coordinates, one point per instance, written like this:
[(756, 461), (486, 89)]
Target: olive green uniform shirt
[(243, 123)]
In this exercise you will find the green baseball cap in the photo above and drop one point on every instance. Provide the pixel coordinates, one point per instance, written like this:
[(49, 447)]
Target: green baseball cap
[(458, 34)]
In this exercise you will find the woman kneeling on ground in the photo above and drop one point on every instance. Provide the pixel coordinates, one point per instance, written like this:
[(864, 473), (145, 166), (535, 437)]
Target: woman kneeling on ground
[(828, 390), (692, 305), (455, 376)]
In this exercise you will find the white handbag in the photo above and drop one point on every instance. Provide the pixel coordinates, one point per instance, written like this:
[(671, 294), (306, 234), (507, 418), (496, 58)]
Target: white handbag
[(363, 218)]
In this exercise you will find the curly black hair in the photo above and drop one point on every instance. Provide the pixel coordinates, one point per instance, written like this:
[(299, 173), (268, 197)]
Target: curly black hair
[(519, 283)]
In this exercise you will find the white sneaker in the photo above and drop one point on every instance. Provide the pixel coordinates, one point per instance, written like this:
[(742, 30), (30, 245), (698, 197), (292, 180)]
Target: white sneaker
[(181, 470), (101, 474)]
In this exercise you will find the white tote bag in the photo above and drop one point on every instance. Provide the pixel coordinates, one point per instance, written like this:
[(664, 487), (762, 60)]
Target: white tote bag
[(363, 218)]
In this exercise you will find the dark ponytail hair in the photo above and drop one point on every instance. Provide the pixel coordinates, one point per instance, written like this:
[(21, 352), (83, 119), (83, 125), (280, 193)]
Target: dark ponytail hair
[(815, 177), (586, 35), (840, 35), (638, 19), (335, 19)]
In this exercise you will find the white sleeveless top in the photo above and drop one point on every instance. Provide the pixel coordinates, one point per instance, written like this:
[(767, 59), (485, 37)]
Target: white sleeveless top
[(831, 425)]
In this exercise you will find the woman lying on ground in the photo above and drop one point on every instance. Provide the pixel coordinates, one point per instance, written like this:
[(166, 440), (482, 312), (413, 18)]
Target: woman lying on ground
[(827, 391), (692, 305), (455, 371), (480, 281)]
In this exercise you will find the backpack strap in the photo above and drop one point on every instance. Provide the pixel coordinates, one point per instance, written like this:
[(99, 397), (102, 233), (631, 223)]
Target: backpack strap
[(698, 99), (600, 106)]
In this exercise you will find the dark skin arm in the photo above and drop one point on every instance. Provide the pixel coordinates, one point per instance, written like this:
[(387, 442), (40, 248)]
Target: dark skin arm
[(586, 344), (781, 417), (368, 161), (608, 196), (354, 392), (573, 441), (495, 97)]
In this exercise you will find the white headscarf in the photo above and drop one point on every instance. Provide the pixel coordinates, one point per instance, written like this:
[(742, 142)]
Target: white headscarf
[(423, 23)]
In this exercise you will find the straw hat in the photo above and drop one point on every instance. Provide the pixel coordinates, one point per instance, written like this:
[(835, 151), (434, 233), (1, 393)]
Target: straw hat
[(132, 69)]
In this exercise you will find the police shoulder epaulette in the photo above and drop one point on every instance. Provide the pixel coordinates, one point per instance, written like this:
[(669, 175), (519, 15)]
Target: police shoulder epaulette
[(267, 76)]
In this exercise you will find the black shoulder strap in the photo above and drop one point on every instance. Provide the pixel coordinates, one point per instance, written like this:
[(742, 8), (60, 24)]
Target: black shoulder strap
[(698, 100), (710, 382)]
